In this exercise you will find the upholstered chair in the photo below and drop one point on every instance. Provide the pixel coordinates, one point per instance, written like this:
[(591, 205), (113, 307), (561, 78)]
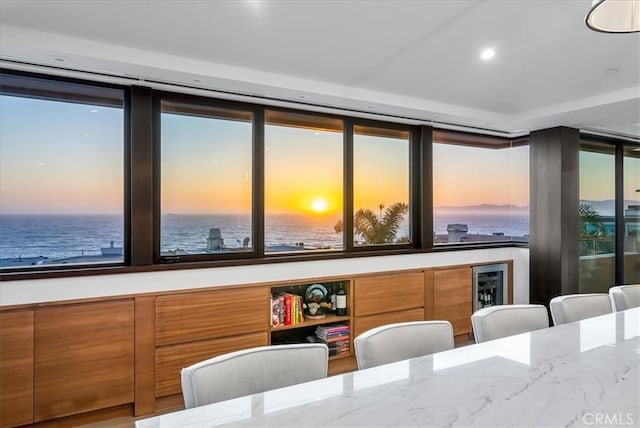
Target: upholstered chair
[(251, 371), (506, 320), (576, 307), (625, 296), (400, 341)]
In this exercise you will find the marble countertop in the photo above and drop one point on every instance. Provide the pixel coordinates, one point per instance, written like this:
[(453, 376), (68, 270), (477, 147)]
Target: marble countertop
[(577, 374)]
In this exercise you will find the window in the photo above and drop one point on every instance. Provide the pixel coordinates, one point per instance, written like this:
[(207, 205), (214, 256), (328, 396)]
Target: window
[(303, 182), (597, 217), (61, 173), (631, 215), (206, 176), (233, 180), (480, 189), (381, 186)]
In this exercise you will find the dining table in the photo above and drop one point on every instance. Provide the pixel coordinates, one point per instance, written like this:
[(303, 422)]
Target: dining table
[(583, 373)]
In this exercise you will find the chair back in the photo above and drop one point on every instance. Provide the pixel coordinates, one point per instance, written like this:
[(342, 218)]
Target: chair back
[(576, 307), (506, 320), (625, 296), (400, 341), (251, 371)]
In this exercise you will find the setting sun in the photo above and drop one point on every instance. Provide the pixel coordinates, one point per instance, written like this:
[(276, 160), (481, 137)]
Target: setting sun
[(319, 205)]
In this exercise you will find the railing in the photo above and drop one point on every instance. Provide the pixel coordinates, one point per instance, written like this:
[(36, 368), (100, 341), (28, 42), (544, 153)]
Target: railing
[(607, 246)]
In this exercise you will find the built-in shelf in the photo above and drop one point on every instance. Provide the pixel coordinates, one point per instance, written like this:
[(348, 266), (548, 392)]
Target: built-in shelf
[(328, 319)]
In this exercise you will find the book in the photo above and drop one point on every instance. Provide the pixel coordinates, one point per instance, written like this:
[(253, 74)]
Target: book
[(275, 310)]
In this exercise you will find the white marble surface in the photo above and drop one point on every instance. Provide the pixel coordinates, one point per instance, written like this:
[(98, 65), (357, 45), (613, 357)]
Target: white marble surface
[(577, 374)]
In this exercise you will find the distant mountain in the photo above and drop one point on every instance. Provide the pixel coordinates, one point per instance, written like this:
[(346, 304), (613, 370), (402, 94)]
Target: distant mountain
[(607, 206), (484, 209)]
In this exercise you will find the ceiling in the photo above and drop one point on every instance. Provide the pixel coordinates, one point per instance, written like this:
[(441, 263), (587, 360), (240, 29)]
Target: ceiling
[(412, 61)]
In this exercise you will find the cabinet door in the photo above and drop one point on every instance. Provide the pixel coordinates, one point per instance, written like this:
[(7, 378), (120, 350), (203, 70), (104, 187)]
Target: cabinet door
[(188, 317), (368, 322), (16, 368), (173, 358), (452, 298), (389, 293), (83, 358)]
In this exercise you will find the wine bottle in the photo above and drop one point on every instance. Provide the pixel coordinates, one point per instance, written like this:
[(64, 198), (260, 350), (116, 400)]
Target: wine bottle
[(341, 302)]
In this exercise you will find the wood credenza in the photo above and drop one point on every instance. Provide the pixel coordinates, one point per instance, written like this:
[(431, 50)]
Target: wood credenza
[(85, 361)]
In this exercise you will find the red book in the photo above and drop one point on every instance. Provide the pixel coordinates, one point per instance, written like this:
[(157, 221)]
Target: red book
[(287, 309)]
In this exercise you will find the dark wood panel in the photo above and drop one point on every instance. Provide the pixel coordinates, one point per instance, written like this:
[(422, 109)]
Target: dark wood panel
[(189, 317), (553, 243), (84, 358), (452, 298), (389, 293), (16, 368), (363, 324), (145, 373), (173, 358)]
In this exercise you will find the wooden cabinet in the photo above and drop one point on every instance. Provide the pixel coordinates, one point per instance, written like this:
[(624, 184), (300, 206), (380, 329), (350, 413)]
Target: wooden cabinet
[(171, 359), (195, 326), (452, 298), (388, 298), (16, 368), (78, 359), (368, 322), (187, 317), (84, 358), (388, 293)]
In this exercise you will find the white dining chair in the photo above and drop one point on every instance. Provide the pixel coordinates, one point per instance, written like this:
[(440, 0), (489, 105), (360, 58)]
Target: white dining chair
[(576, 307), (251, 371), (400, 341), (506, 320), (625, 296)]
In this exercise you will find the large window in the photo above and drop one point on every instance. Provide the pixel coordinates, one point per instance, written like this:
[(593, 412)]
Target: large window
[(206, 180), (87, 168), (597, 217), (631, 204), (303, 182), (381, 186), (609, 215), (61, 174), (480, 189)]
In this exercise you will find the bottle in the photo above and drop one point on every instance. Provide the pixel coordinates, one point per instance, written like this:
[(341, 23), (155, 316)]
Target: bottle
[(341, 302)]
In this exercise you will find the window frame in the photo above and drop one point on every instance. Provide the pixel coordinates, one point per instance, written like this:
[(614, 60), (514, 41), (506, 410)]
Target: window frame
[(415, 185), (468, 139), (142, 111), (257, 190), (49, 91)]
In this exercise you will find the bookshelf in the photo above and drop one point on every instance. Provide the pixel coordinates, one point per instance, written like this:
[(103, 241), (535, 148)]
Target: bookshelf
[(291, 320)]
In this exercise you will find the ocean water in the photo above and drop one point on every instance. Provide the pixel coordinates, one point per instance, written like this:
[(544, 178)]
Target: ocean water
[(58, 236)]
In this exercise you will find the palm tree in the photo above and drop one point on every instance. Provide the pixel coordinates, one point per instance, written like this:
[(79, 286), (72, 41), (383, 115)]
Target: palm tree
[(374, 229), (589, 216)]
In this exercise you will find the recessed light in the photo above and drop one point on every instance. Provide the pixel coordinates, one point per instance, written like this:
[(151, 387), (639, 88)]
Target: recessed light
[(196, 80), (316, 133), (95, 110), (58, 58), (487, 53), (611, 71), (302, 97)]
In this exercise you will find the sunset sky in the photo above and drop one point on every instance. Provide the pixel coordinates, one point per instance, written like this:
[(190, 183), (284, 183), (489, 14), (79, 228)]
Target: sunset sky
[(61, 158)]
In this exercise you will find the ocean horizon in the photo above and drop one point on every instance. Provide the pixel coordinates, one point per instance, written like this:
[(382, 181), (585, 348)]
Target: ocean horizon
[(59, 235)]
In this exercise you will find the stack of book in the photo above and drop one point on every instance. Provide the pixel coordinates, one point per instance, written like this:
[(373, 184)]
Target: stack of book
[(286, 309), (336, 336)]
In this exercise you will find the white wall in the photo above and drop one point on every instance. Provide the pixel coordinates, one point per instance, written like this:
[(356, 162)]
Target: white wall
[(57, 289)]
